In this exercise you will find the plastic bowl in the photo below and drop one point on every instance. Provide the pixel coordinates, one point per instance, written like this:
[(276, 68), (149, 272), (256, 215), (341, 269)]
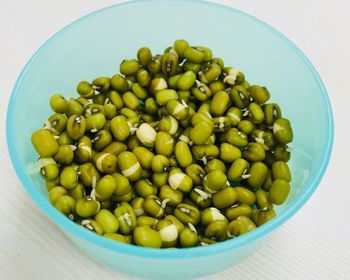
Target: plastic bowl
[(95, 44)]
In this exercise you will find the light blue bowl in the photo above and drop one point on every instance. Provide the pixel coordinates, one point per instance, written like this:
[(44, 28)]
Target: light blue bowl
[(95, 44)]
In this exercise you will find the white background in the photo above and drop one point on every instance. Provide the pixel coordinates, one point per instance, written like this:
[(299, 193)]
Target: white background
[(314, 244)]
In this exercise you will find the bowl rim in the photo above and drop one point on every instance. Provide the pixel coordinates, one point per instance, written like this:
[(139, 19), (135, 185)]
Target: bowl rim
[(71, 228)]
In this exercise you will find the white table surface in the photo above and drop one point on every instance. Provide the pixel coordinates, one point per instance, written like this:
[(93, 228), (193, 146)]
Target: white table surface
[(314, 244)]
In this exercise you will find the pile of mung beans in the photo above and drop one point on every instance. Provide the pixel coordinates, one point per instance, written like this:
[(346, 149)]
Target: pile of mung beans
[(176, 151)]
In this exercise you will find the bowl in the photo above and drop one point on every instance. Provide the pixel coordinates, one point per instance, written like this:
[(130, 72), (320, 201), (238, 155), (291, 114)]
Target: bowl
[(95, 44)]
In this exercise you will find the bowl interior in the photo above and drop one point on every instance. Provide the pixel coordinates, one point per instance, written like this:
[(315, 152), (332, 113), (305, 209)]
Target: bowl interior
[(94, 46)]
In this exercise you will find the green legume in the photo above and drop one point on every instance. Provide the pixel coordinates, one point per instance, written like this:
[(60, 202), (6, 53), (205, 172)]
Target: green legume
[(188, 238), (58, 103), (259, 94), (144, 55), (279, 191), (215, 164), (214, 181), (65, 204), (217, 230), (244, 195), (210, 215), (147, 237), (258, 173), (225, 198), (44, 143), (187, 214), (236, 210), (86, 207), (282, 130), (126, 218), (116, 237), (107, 220), (154, 154), (280, 170)]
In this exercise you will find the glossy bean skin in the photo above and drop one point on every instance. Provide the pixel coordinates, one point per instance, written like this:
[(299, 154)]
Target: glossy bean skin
[(147, 237), (44, 143), (279, 191), (178, 150)]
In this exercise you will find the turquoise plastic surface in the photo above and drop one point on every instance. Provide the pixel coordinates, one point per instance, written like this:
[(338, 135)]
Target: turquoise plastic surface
[(95, 44)]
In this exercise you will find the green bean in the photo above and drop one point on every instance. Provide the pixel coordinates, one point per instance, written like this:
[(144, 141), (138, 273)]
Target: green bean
[(214, 181), (105, 162), (217, 230), (58, 103), (279, 191), (283, 130), (259, 94), (178, 142), (280, 170), (257, 174), (126, 218), (168, 233), (147, 237), (225, 198), (240, 226), (261, 216), (215, 164), (219, 103), (187, 214), (129, 166), (179, 180), (236, 210), (144, 55), (210, 215), (87, 207), (188, 238), (105, 187), (44, 143), (129, 67), (48, 168), (116, 237), (153, 206), (65, 204)]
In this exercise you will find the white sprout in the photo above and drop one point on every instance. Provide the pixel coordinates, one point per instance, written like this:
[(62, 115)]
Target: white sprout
[(184, 210), (93, 195), (158, 202), (49, 127), (71, 216), (126, 217), (202, 193), (88, 112), (234, 205), (192, 228), (184, 103), (73, 147), (164, 202), (87, 224), (93, 181)]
